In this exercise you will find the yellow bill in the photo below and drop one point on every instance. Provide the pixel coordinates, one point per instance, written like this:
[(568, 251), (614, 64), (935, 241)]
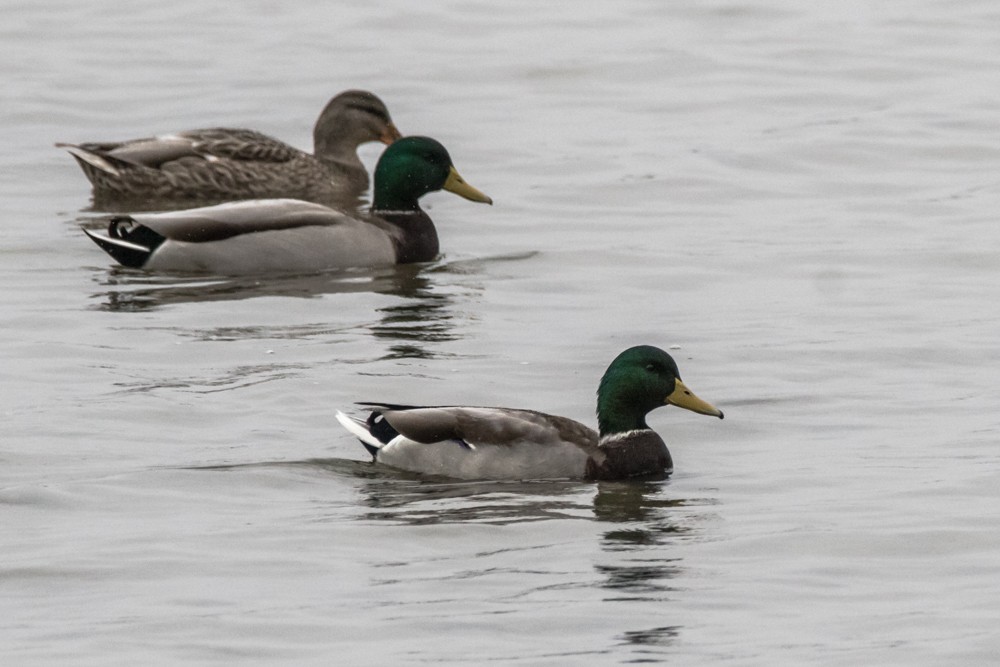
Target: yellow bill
[(457, 184), (683, 397)]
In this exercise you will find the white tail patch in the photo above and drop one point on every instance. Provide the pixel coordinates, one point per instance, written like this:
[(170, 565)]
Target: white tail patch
[(101, 239), (359, 429)]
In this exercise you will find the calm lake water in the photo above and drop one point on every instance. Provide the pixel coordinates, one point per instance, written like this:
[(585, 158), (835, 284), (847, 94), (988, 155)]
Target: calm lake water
[(801, 202)]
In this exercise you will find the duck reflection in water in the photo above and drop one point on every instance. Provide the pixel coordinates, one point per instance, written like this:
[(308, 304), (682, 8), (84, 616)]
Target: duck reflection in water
[(129, 290), (642, 559), (425, 317), (414, 499), (411, 326), (644, 517)]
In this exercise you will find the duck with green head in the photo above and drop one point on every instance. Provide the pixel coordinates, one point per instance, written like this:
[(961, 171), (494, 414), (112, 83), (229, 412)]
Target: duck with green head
[(507, 443), (263, 236)]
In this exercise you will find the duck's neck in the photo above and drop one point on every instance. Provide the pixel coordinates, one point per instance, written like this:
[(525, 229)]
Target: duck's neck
[(332, 144), (395, 190), (398, 187), (340, 156), (620, 406), (617, 414), (387, 199)]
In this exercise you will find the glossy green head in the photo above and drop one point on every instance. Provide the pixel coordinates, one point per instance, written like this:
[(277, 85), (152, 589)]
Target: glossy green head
[(640, 379), (410, 168)]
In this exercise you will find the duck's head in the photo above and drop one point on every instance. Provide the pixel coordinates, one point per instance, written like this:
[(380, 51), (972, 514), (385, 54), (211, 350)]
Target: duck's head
[(639, 380), (352, 118), (413, 166)]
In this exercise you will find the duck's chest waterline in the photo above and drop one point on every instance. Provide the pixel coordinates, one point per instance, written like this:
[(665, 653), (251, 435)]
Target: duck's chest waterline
[(630, 454)]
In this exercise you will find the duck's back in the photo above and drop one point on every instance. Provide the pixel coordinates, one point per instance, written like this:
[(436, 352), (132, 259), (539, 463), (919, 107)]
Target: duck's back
[(213, 164)]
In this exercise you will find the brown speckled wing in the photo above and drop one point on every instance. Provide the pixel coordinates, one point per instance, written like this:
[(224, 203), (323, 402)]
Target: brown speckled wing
[(240, 144)]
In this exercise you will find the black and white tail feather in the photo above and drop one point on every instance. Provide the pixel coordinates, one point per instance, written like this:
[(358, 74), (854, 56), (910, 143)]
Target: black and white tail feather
[(376, 432), (128, 242)]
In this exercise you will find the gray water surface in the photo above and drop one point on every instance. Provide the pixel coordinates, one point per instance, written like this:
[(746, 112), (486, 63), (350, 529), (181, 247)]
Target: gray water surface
[(799, 201)]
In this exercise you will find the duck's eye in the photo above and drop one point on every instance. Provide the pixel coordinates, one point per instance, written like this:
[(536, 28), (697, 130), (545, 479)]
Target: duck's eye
[(651, 367)]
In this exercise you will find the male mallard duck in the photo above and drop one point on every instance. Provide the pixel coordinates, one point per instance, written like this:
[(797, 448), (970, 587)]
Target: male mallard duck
[(504, 443), (220, 164), (290, 235)]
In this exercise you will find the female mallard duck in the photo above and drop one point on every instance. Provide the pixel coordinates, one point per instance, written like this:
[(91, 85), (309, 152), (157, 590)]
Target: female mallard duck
[(221, 164), (504, 443), (292, 236)]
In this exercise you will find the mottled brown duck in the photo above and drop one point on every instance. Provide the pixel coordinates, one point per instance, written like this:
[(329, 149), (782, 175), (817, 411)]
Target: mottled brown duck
[(225, 164)]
